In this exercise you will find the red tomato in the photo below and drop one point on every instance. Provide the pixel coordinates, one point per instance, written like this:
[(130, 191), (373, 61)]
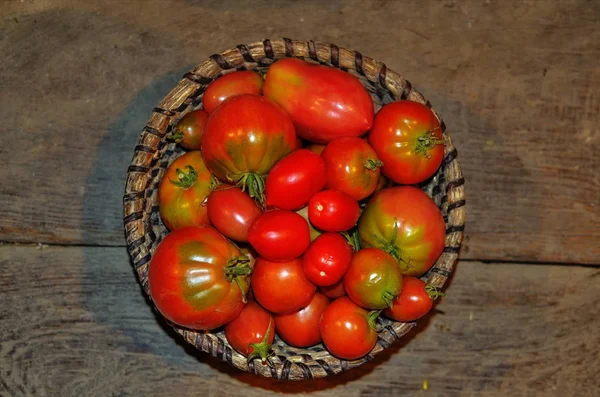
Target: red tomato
[(333, 211), (316, 148), (408, 139), (294, 180), (301, 328), (182, 190), (352, 167), (243, 138), (407, 224), (373, 279), (188, 132), (232, 211), (327, 259), (279, 235), (252, 332), (415, 300), (348, 330), (198, 279), (325, 103), (229, 85), (281, 287), (334, 291)]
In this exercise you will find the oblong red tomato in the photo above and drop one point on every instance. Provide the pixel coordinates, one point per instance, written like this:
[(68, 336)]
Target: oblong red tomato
[(327, 259), (229, 85), (301, 328), (333, 211), (408, 139), (334, 291), (407, 224), (279, 235), (198, 279), (243, 138), (281, 287), (182, 190), (325, 103), (352, 167), (415, 300), (232, 211), (294, 179), (188, 132), (252, 332)]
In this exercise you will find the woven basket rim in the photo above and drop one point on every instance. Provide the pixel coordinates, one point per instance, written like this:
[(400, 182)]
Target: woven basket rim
[(148, 163)]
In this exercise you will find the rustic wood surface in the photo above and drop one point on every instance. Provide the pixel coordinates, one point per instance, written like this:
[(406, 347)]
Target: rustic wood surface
[(517, 84)]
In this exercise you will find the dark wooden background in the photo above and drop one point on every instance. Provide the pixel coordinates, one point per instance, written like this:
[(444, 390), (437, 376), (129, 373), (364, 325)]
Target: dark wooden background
[(517, 82)]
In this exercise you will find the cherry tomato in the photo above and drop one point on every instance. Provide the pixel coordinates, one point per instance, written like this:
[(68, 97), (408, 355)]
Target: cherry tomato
[(188, 132), (294, 180), (197, 278), (333, 211), (182, 190), (232, 211), (408, 139), (415, 300), (301, 328), (281, 287), (327, 259), (352, 167), (334, 291), (316, 148), (325, 103), (406, 223), (252, 332), (348, 330), (373, 279), (243, 138), (279, 235), (229, 85)]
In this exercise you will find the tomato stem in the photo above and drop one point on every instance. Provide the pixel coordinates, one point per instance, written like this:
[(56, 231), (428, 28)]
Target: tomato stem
[(186, 179), (433, 292), (238, 269), (372, 165), (263, 348), (352, 237), (214, 182), (176, 136), (372, 319), (255, 183), (428, 141), (391, 248), (389, 297)]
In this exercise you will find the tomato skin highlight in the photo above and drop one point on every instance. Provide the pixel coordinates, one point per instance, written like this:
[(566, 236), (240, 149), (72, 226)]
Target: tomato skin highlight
[(229, 85), (281, 287), (294, 180), (325, 103), (333, 211), (407, 223), (407, 137), (412, 303), (182, 190), (346, 331), (301, 328), (232, 212), (279, 235), (250, 327), (188, 132), (188, 278), (327, 259)]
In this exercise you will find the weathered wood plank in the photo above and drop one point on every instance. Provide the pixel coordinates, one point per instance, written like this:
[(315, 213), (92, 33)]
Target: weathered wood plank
[(515, 81), (73, 322)]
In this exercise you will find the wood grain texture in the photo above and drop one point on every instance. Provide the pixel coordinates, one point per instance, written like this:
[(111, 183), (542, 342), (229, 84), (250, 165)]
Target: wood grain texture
[(75, 323)]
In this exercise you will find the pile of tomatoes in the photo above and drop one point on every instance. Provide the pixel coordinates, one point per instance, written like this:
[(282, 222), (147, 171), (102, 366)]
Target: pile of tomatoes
[(293, 212)]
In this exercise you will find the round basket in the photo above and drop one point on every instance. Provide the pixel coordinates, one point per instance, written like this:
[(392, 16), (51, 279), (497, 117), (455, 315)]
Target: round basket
[(144, 228)]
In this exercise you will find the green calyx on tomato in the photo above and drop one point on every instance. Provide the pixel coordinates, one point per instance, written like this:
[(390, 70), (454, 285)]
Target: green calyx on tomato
[(177, 136), (372, 319), (433, 292), (372, 164), (255, 184), (263, 348), (426, 142), (186, 179), (353, 238)]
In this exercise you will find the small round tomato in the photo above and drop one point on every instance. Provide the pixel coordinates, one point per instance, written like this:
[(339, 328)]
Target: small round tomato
[(327, 259), (252, 332), (182, 191), (198, 279), (352, 167), (301, 328), (333, 211), (348, 330), (373, 279), (188, 132), (279, 235), (316, 148), (334, 291), (408, 139), (294, 180), (281, 287), (415, 300), (232, 211), (229, 85), (407, 224)]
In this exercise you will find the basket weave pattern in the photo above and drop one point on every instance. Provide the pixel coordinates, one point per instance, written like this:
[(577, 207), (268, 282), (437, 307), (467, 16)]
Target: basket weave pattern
[(153, 154)]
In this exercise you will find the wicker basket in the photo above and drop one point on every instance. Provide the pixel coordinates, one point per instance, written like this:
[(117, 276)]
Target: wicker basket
[(153, 154)]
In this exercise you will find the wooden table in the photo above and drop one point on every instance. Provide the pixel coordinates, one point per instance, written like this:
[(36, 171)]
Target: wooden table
[(517, 84)]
